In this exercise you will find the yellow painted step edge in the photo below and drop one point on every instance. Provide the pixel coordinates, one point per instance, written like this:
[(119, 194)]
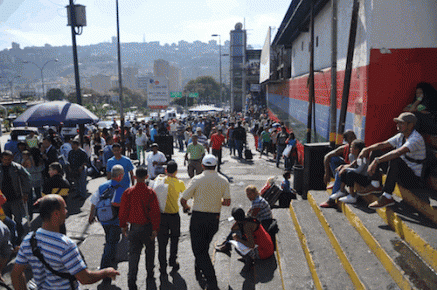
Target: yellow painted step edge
[(422, 206), (386, 261), (424, 249), (336, 245), (278, 258), (303, 243)]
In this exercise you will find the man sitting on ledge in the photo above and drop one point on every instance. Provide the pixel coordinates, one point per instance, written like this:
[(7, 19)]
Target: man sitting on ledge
[(405, 161)]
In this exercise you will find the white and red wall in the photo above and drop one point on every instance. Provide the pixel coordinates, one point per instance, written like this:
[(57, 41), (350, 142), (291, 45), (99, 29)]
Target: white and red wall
[(395, 48)]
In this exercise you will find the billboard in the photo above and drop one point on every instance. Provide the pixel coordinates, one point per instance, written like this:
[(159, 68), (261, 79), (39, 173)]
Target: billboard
[(264, 74), (158, 93)]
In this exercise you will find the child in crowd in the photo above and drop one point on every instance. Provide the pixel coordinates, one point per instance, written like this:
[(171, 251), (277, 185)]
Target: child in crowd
[(348, 174), (287, 193)]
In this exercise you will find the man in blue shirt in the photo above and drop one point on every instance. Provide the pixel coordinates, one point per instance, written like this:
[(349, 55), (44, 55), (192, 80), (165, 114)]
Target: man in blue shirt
[(153, 132), (12, 145), (111, 227), (123, 161)]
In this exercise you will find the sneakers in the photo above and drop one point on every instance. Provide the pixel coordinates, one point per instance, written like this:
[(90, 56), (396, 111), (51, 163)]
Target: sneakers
[(348, 199), (337, 194), (382, 202), (330, 185), (369, 189), (330, 203)]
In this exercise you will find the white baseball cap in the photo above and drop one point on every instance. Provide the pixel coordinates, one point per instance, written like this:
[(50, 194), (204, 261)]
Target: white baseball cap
[(209, 160), (198, 129)]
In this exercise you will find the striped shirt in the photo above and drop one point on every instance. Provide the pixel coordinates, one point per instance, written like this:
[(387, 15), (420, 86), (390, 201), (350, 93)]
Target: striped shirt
[(265, 212), (59, 251), (416, 144)]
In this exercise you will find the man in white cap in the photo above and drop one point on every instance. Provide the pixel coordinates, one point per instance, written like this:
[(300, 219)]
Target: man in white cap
[(210, 191), (405, 160)]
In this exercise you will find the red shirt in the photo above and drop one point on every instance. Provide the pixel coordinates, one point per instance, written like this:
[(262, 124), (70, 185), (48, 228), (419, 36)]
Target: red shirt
[(139, 205), (217, 141)]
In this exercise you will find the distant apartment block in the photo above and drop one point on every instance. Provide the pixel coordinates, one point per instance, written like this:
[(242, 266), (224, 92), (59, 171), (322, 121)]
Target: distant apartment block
[(130, 78), (101, 83), (162, 68)]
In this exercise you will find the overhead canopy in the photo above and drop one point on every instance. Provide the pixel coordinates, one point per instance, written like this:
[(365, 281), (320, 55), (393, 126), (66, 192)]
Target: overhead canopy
[(205, 109), (296, 20), (55, 113)]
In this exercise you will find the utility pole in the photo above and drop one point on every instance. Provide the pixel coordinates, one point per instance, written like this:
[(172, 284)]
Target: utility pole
[(333, 108), (120, 82), (73, 23)]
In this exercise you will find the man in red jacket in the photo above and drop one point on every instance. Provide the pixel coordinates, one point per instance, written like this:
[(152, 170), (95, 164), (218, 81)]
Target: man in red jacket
[(140, 208)]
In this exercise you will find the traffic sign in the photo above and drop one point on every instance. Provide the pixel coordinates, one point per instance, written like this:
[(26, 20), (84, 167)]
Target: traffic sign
[(176, 94), (193, 95)]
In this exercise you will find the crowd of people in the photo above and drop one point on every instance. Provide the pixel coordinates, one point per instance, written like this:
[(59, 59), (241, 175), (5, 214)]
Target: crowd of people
[(45, 176), (142, 203)]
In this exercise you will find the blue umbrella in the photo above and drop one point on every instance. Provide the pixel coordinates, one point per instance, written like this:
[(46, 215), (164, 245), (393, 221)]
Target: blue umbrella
[(53, 113)]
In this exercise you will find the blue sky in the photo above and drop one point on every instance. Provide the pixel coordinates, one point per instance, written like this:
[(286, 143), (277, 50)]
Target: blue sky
[(37, 22)]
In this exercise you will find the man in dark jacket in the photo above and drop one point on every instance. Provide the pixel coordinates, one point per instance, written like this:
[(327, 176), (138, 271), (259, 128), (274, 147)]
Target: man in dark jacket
[(49, 155), (240, 139), (78, 160), (15, 185)]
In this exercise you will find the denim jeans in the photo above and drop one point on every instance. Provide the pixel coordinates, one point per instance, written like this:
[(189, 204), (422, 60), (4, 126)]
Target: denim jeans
[(280, 149), (15, 208), (181, 143), (231, 144), (112, 237), (203, 227), (139, 236), (169, 229)]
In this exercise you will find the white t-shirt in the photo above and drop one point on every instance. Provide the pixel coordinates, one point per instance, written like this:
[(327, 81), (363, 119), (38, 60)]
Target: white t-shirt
[(159, 157)]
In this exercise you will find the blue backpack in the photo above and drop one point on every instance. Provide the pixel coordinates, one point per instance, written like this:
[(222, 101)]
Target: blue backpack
[(105, 211)]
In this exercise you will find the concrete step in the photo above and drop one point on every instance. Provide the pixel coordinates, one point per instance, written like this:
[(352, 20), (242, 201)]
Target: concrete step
[(404, 265), (291, 259), (323, 262), (363, 267), (412, 226)]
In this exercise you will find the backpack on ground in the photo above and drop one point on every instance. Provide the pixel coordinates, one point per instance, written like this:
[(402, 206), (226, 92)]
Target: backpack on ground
[(105, 211)]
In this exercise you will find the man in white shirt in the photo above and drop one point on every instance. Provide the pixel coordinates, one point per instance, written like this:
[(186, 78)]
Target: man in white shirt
[(155, 161), (405, 160)]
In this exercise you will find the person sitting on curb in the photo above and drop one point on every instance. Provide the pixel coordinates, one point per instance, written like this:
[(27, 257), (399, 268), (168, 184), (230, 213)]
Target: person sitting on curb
[(249, 233), (344, 175), (337, 157), (259, 210), (405, 161)]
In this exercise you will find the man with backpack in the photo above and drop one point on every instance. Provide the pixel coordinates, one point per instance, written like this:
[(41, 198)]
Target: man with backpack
[(105, 203)]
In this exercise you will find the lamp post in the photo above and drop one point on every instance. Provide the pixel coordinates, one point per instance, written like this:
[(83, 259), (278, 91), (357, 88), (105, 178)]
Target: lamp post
[(41, 70), (220, 60)]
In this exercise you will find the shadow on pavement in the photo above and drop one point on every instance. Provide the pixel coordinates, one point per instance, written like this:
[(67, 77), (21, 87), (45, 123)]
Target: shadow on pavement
[(265, 270)]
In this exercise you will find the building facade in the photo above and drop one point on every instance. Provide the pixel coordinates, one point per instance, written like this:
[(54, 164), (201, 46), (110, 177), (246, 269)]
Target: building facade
[(395, 49)]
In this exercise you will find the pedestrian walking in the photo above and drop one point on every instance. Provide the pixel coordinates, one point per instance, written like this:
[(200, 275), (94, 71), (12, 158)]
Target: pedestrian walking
[(195, 151), (105, 203), (210, 191), (170, 227), (217, 141), (140, 208)]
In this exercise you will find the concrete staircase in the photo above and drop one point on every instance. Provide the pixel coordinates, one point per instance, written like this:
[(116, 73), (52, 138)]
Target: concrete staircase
[(348, 247)]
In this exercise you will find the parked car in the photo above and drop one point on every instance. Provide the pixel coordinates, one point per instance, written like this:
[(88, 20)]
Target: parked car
[(22, 132), (69, 131)]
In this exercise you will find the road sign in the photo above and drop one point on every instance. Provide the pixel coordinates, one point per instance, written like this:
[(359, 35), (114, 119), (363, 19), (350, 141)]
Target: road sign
[(158, 94), (176, 94), (193, 95)]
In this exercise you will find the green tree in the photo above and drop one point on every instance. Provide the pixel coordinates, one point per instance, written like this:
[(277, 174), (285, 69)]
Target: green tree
[(55, 95), (207, 87)]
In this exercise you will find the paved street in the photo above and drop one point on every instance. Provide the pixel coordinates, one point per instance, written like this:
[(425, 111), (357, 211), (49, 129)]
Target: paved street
[(240, 174)]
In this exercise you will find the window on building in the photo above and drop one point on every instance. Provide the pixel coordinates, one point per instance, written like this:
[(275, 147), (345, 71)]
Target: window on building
[(302, 46), (317, 41)]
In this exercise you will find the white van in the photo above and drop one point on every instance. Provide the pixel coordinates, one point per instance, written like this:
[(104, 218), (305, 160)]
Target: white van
[(170, 115)]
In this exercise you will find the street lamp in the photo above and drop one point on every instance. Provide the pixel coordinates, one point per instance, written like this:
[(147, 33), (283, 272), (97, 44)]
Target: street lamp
[(41, 69), (220, 59)]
